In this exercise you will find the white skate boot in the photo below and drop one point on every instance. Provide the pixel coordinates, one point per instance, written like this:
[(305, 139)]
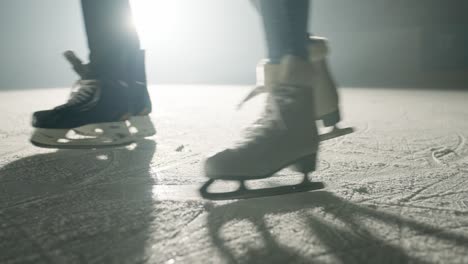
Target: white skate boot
[(324, 89), (286, 135)]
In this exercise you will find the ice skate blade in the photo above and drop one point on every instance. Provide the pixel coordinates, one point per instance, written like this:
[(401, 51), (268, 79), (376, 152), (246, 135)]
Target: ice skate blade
[(305, 164), (245, 193), (138, 126), (336, 132), (57, 139)]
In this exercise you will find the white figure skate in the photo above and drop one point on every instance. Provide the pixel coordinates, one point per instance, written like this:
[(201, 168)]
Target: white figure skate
[(326, 100), (286, 135)]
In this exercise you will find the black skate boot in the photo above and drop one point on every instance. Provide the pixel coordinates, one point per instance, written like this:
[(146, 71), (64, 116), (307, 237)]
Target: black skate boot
[(286, 135), (139, 122), (324, 88), (101, 104)]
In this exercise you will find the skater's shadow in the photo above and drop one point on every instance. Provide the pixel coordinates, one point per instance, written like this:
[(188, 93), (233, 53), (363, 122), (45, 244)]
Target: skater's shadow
[(340, 231), (78, 205)]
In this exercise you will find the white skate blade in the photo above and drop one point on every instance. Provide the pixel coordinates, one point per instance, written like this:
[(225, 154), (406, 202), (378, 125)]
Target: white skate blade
[(141, 126), (246, 193), (138, 126), (336, 132), (91, 130), (64, 138)]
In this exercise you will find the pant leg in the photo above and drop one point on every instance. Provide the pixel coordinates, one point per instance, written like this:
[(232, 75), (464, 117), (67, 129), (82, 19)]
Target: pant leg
[(274, 18), (110, 32), (285, 25), (298, 16)]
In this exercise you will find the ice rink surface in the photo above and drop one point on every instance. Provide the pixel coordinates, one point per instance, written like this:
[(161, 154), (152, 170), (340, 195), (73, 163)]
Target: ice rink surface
[(397, 189)]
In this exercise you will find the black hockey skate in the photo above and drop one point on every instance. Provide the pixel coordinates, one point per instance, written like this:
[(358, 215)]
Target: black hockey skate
[(285, 136), (105, 102), (139, 123)]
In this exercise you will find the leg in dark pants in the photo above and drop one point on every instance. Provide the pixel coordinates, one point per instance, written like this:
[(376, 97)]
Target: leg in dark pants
[(285, 24), (115, 47), (111, 34), (112, 92)]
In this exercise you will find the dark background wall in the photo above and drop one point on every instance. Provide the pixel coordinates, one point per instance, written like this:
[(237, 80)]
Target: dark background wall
[(374, 42), (396, 42), (33, 34)]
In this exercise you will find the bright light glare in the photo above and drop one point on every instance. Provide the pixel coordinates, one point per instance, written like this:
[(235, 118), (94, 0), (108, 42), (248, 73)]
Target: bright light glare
[(154, 19)]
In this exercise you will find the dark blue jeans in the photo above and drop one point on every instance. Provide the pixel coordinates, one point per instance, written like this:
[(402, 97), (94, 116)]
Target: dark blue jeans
[(285, 23)]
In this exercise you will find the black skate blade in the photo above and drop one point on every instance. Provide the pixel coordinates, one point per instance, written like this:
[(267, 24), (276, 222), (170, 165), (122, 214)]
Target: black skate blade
[(337, 132), (258, 193)]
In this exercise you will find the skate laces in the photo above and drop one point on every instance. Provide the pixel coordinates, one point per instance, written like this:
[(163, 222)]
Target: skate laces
[(83, 91), (271, 120), (81, 69), (253, 93)]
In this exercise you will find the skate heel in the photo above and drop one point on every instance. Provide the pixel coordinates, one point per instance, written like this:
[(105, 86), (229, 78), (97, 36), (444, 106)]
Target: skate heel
[(306, 164), (331, 119), (142, 126)]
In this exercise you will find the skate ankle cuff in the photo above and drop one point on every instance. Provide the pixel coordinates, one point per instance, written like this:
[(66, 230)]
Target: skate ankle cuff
[(294, 71), (317, 48)]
